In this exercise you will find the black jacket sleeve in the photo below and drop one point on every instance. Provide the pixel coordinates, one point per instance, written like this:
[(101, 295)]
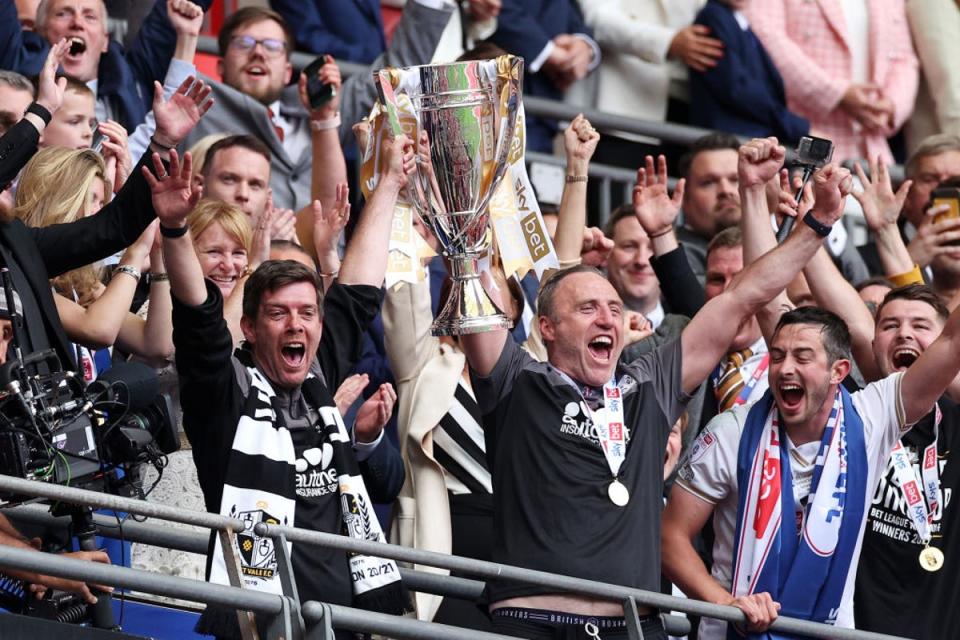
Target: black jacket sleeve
[(681, 290), (209, 394), (348, 311), (17, 146), (113, 228)]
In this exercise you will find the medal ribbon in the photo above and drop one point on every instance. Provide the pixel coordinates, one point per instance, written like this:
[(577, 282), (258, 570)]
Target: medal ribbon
[(609, 422), (922, 495)]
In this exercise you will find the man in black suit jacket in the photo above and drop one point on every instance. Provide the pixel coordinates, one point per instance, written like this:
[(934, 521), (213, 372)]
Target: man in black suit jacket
[(743, 93), (34, 255)]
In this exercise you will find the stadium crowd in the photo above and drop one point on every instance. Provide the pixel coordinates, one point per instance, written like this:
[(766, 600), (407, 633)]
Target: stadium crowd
[(210, 226)]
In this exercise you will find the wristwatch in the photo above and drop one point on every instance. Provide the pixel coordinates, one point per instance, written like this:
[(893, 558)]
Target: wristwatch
[(822, 230)]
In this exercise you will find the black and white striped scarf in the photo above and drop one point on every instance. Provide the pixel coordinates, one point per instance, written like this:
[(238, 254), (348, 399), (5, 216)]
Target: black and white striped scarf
[(260, 486)]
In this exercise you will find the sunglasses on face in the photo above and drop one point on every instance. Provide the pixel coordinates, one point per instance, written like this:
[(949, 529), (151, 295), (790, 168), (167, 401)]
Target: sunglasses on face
[(271, 46)]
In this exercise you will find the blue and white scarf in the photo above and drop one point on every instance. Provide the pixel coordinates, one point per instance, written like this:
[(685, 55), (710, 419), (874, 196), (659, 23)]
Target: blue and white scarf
[(804, 571)]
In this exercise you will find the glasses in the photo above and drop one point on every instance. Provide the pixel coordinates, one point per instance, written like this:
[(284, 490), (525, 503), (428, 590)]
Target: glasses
[(271, 46)]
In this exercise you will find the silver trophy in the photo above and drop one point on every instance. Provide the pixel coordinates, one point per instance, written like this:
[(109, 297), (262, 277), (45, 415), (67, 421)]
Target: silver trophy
[(465, 116)]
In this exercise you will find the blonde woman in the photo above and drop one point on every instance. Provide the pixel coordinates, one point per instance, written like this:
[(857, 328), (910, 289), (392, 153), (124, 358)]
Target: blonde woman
[(62, 185)]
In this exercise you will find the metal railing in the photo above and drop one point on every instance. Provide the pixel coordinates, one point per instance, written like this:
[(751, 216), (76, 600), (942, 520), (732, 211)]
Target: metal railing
[(284, 611)]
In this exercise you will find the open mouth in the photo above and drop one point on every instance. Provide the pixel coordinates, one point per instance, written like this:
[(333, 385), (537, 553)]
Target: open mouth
[(601, 348), (903, 357), (224, 282), (256, 71), (77, 46), (792, 395), (293, 353)]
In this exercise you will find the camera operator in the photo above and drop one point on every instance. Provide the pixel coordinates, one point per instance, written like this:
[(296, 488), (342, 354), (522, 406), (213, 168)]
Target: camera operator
[(35, 255), (9, 536)]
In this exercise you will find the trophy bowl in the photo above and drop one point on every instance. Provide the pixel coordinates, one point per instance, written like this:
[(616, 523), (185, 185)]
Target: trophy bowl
[(464, 115)]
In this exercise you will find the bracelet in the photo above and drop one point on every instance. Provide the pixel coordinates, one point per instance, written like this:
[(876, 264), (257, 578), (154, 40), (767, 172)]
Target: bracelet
[(571, 179), (157, 277), (40, 111), (821, 229), (325, 125), (173, 232), (131, 271), (332, 274), (660, 234), (153, 141)]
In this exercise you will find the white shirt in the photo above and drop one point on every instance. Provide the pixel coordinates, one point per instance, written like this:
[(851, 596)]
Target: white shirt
[(709, 471), (856, 17), (296, 132)]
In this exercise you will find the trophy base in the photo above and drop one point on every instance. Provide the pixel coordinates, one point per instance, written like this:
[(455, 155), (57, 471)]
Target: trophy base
[(469, 309)]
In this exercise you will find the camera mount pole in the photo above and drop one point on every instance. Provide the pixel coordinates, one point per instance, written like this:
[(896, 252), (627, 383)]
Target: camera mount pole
[(85, 531), (16, 319), (789, 221)]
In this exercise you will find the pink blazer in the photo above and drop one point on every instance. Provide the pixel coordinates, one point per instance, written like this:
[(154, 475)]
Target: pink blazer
[(807, 40)]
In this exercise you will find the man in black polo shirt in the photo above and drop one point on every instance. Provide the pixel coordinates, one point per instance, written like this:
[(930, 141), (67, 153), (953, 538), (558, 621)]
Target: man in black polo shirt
[(562, 503)]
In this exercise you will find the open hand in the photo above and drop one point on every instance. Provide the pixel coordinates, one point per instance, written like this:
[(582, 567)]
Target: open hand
[(173, 194), (178, 116), (349, 390), (328, 225), (50, 88), (655, 209), (881, 206)]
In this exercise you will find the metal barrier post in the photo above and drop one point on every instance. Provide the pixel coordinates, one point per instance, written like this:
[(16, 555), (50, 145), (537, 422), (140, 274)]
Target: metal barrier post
[(291, 618), (632, 616)]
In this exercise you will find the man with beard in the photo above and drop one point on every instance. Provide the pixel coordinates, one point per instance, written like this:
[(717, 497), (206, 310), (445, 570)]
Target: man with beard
[(908, 558), (560, 503), (711, 202), (789, 482)]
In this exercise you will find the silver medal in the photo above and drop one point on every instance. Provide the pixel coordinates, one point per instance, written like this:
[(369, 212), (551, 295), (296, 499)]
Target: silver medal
[(618, 493)]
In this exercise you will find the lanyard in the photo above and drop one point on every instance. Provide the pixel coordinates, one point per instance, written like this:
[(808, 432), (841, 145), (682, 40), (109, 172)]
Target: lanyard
[(608, 422), (922, 495)]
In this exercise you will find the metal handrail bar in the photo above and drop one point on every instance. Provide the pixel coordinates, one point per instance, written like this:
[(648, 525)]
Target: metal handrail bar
[(554, 581), (417, 556), (84, 497), (132, 530), (127, 578), (198, 542), (231, 597)]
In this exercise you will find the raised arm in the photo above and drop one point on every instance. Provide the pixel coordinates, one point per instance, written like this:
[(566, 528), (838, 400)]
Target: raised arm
[(708, 335), (98, 325), (758, 164), (657, 212), (174, 198), (329, 166), (19, 143), (580, 141), (927, 378), (881, 209), (365, 260)]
